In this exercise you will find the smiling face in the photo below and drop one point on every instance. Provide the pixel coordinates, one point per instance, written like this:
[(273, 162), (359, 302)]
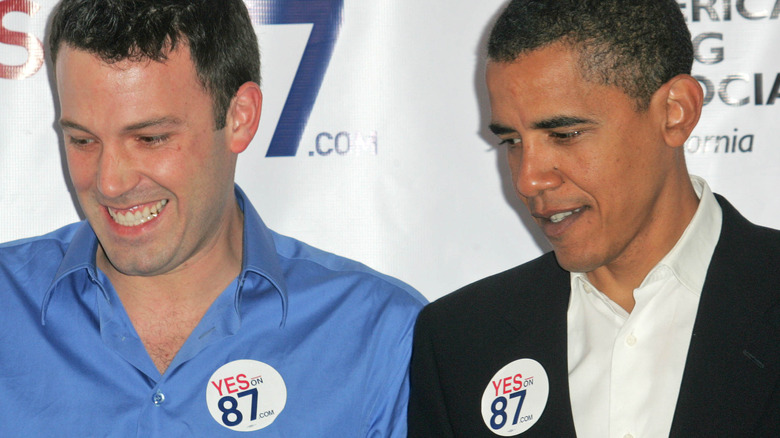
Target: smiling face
[(153, 177), (596, 174)]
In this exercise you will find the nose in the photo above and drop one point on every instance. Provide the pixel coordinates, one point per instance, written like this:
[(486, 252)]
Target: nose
[(115, 173), (533, 170)]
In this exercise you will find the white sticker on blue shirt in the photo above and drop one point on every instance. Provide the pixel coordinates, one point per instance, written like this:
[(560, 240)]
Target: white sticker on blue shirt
[(246, 395), (515, 397)]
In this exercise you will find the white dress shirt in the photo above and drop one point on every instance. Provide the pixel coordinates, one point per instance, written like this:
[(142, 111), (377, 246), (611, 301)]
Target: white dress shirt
[(625, 369)]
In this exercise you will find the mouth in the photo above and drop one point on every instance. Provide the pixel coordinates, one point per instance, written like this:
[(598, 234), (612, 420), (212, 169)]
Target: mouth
[(558, 217), (137, 215)]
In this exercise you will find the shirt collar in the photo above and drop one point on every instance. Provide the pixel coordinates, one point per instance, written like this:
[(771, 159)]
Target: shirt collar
[(259, 257), (79, 256), (689, 259)]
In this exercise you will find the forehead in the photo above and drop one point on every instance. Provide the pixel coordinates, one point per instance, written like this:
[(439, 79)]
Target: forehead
[(553, 63), (547, 83), (94, 91)]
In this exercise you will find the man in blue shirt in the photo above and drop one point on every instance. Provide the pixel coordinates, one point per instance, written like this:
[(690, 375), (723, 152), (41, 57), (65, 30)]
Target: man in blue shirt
[(173, 310)]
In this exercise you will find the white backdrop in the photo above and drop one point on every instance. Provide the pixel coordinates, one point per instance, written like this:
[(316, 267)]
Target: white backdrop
[(395, 166)]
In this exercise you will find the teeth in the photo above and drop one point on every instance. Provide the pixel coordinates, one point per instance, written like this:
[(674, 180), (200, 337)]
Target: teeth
[(137, 217), (561, 216)]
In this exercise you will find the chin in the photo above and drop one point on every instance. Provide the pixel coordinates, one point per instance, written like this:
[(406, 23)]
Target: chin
[(134, 266), (574, 263)]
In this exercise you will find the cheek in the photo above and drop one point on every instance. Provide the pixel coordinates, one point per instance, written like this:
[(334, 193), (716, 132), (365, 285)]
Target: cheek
[(188, 167), (604, 167), (166, 167), (81, 168), (514, 161)]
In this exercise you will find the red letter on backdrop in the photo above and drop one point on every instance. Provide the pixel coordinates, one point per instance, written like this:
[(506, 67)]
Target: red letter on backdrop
[(27, 41)]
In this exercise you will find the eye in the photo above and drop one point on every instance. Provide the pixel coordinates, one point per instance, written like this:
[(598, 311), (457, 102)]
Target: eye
[(152, 140), (563, 136), (79, 142), (511, 142)]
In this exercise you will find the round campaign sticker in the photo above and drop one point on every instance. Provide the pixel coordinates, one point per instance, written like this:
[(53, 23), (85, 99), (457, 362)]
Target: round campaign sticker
[(246, 395), (515, 397)]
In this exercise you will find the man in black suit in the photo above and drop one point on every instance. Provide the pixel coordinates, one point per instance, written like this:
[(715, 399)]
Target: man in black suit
[(658, 311)]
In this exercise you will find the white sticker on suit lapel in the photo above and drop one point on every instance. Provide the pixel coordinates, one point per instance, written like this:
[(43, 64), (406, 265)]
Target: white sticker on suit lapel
[(246, 395), (515, 397)]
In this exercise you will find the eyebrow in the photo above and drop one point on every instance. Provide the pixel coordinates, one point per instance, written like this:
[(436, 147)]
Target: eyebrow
[(72, 125), (561, 122), (551, 123), (161, 121), (499, 129)]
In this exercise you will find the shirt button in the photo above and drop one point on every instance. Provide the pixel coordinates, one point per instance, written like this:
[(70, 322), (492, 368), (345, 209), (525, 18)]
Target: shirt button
[(588, 288), (630, 341), (628, 435), (158, 398)]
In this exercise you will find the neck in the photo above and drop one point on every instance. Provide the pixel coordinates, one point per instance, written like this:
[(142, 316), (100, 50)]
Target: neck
[(165, 308), (618, 278), (198, 279)]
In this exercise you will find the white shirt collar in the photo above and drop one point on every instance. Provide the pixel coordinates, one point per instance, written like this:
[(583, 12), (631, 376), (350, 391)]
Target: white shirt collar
[(690, 257)]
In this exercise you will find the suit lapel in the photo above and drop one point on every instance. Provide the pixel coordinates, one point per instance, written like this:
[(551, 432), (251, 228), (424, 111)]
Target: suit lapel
[(539, 322), (732, 363)]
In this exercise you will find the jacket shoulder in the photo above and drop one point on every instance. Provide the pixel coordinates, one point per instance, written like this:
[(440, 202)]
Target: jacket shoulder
[(485, 297), (746, 253)]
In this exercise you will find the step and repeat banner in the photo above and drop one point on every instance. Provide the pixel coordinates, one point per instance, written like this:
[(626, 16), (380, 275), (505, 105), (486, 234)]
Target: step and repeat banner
[(373, 141)]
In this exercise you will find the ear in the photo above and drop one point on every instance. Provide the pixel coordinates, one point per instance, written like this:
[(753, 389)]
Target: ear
[(243, 116), (684, 99)]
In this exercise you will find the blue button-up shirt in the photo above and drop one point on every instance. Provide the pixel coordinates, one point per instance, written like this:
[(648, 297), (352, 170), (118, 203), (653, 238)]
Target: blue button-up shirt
[(301, 344)]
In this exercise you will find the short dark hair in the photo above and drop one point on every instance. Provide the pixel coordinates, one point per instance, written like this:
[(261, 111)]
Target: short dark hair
[(635, 45), (218, 33)]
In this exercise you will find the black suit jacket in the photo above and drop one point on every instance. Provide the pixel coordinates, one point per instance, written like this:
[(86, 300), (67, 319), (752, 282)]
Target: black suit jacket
[(730, 385)]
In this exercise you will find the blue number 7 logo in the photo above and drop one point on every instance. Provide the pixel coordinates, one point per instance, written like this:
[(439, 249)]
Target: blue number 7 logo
[(326, 17)]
